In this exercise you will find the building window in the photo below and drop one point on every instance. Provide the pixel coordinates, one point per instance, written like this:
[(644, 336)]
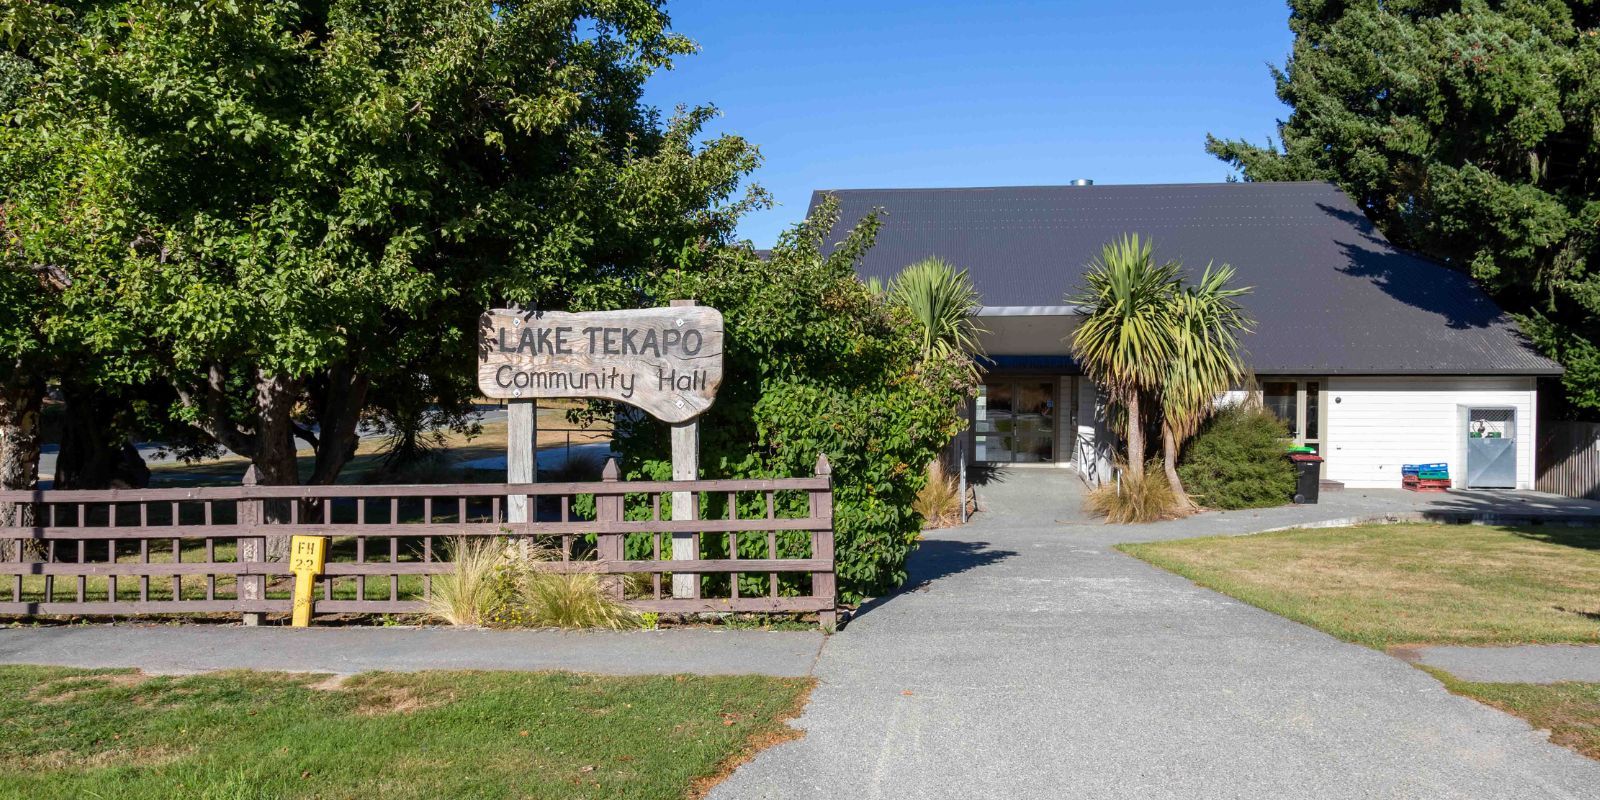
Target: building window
[(1299, 404), (1281, 398)]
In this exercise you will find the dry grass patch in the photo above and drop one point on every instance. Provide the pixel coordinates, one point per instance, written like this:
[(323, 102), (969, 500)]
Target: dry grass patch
[(379, 694), (1387, 585), (67, 689), (113, 757)]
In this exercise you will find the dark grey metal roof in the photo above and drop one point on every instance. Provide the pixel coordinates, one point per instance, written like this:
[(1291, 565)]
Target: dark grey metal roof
[(1331, 295)]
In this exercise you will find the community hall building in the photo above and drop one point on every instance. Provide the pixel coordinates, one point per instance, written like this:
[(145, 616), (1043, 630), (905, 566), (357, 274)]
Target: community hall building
[(1375, 357)]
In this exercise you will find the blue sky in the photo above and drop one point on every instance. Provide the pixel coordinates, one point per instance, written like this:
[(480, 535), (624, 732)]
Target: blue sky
[(939, 93)]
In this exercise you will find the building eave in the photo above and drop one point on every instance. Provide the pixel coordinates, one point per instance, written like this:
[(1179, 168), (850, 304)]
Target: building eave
[(1031, 311)]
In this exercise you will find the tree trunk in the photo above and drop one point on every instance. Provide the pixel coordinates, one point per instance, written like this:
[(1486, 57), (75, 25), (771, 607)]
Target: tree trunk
[(20, 402), (95, 452), (339, 416), (1135, 438), (1169, 462), (274, 457)]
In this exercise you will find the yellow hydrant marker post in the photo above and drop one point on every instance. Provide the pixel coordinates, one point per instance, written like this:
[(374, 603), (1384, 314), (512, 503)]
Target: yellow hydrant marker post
[(307, 555)]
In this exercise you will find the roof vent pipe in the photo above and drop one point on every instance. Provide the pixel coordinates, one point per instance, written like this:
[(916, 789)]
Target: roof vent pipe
[(1081, 182)]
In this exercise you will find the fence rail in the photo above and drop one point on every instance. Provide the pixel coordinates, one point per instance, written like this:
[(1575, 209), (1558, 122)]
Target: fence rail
[(769, 548), (1568, 458)]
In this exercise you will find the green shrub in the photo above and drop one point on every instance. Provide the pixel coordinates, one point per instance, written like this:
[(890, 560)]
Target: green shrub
[(1237, 461), (814, 363)]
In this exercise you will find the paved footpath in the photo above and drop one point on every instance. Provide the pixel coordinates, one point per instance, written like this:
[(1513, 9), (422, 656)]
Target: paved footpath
[(1533, 663), (1031, 660)]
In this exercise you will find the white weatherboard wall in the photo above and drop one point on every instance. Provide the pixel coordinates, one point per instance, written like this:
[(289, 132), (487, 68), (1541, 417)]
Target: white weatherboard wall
[(1376, 424)]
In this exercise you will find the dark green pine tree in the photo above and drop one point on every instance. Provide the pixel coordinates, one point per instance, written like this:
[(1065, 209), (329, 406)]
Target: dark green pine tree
[(1468, 132)]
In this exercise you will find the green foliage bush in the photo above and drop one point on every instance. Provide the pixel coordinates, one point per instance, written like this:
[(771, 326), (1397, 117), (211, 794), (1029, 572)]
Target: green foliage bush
[(814, 363), (1237, 461)]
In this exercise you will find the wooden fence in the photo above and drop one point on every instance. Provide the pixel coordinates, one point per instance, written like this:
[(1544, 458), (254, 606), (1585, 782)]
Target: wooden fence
[(203, 550), (1568, 459)]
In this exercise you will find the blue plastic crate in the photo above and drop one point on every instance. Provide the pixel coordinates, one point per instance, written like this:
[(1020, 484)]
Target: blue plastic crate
[(1417, 469)]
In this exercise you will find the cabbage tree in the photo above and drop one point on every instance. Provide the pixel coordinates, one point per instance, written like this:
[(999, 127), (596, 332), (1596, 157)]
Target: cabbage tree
[(1205, 362), (944, 302), (1129, 332)]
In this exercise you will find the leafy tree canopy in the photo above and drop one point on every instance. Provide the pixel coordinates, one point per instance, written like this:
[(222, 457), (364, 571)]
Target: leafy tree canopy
[(314, 200), (1469, 131), (817, 363)]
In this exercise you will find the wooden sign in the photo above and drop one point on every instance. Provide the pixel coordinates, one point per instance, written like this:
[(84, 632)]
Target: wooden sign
[(307, 556), (664, 361)]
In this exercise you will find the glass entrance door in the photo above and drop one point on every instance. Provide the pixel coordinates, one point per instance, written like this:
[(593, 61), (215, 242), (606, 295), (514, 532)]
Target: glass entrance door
[(1015, 422)]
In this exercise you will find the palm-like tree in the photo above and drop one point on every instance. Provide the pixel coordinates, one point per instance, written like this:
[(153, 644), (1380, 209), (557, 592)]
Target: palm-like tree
[(1204, 362), (944, 303), (943, 300), (1128, 335)]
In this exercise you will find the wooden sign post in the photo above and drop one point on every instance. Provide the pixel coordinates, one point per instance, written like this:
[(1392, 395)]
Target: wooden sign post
[(522, 462), (685, 467), (666, 362), (307, 557)]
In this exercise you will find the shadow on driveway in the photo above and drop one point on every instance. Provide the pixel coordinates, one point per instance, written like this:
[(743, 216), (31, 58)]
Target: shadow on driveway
[(935, 559)]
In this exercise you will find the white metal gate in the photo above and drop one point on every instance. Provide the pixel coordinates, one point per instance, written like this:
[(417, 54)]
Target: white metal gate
[(1491, 448)]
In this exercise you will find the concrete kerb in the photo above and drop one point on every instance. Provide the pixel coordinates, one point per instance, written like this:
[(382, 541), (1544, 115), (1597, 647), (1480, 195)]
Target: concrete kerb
[(1441, 517)]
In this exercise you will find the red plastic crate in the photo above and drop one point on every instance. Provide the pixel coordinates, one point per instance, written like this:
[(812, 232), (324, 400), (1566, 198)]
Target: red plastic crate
[(1415, 484)]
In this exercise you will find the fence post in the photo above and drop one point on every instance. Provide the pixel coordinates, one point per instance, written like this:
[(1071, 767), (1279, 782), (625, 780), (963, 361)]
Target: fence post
[(961, 488), (823, 585), (250, 589), (609, 545)]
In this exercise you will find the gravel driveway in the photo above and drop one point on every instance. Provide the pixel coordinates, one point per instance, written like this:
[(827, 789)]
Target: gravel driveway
[(1029, 660)]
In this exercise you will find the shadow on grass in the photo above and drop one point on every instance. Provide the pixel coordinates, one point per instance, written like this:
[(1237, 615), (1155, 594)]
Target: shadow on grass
[(1559, 534)]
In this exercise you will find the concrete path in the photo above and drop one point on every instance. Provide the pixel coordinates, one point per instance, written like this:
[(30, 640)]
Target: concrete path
[(1029, 660), (200, 648), (1540, 663), (1353, 506)]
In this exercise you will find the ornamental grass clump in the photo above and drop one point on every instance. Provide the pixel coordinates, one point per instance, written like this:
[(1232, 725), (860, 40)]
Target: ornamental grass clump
[(1145, 497), (939, 501), (470, 592), (573, 600)]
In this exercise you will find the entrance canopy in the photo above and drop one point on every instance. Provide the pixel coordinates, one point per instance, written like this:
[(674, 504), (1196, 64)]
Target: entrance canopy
[(1016, 334)]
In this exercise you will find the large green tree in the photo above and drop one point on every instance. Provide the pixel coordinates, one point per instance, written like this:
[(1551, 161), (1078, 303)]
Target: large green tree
[(817, 363), (1469, 131), (316, 199)]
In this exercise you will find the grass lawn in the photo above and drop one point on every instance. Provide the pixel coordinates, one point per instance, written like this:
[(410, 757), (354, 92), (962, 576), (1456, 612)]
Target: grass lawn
[(1387, 585), (1569, 711), (70, 733)]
